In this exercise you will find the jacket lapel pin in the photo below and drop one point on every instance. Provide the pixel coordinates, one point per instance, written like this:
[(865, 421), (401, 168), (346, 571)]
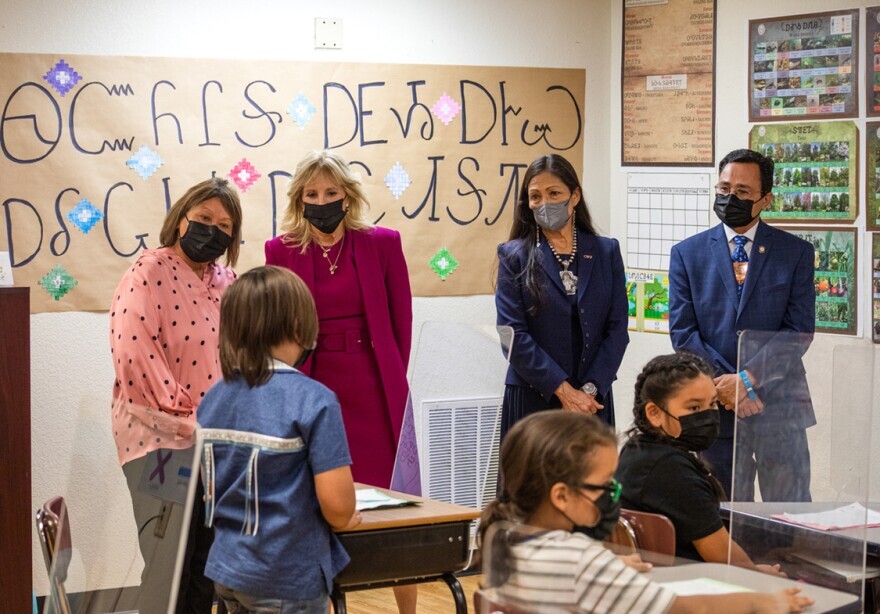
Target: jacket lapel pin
[(761, 249)]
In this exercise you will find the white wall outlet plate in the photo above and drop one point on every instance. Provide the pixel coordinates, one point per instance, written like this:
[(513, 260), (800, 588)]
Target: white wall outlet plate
[(328, 33)]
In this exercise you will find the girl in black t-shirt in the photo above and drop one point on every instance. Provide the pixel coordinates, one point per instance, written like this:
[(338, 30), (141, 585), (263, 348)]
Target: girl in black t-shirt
[(675, 416)]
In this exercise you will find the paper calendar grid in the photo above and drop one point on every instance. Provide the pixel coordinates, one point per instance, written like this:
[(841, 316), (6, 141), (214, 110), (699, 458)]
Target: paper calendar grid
[(663, 209)]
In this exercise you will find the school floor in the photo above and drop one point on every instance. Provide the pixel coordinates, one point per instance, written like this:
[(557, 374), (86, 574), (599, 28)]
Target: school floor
[(434, 598)]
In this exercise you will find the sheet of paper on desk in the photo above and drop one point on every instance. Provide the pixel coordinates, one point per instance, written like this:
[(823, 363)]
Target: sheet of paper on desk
[(703, 586), (372, 499), (847, 517)]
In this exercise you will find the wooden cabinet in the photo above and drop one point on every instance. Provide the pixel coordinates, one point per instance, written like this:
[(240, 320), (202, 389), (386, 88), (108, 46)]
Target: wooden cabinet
[(16, 514)]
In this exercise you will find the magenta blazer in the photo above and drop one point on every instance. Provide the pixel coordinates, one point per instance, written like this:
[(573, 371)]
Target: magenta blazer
[(384, 281)]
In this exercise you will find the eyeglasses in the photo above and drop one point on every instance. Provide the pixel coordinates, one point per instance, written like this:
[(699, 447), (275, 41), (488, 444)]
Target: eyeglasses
[(613, 488), (740, 193)]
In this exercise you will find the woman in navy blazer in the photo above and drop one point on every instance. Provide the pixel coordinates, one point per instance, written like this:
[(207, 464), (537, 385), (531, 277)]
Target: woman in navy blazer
[(562, 289)]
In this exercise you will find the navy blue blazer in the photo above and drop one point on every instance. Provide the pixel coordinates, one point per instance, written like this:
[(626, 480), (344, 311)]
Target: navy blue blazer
[(778, 295), (542, 354)]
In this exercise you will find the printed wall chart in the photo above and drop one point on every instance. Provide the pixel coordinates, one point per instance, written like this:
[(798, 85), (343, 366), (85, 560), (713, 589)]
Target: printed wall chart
[(816, 170), (804, 66), (668, 83), (663, 209), (835, 277), (872, 61), (872, 175)]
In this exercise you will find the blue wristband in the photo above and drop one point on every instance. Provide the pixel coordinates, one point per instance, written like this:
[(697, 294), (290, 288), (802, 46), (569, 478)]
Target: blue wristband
[(748, 384)]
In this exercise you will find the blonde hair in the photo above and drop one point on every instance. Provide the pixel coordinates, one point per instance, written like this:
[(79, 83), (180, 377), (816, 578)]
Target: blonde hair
[(263, 308), (297, 230), (215, 187)]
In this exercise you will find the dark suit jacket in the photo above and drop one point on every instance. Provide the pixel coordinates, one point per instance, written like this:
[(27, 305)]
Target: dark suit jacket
[(384, 282), (542, 351), (778, 295)]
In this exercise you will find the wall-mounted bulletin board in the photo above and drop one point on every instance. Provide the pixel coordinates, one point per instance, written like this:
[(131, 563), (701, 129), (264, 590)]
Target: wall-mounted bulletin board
[(835, 277), (804, 67), (872, 61), (668, 83), (816, 170)]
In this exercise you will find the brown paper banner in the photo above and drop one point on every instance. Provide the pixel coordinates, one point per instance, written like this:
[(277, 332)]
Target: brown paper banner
[(441, 151)]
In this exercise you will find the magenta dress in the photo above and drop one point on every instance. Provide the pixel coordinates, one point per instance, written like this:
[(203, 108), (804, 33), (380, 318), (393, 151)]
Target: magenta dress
[(344, 361)]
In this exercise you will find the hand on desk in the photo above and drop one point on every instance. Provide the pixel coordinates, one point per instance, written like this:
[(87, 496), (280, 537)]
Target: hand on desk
[(577, 400), (773, 570), (789, 600), (635, 561)]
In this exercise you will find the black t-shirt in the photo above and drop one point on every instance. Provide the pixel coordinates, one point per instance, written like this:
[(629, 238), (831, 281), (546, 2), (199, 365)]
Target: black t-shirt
[(664, 479)]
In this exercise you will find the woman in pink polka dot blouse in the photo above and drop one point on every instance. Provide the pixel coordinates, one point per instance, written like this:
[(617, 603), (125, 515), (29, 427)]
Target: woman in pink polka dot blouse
[(164, 338)]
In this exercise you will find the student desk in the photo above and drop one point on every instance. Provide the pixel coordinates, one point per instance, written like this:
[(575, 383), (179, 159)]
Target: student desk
[(754, 524), (406, 545), (827, 600)]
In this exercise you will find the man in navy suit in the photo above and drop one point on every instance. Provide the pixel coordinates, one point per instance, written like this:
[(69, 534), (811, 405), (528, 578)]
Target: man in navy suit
[(744, 275)]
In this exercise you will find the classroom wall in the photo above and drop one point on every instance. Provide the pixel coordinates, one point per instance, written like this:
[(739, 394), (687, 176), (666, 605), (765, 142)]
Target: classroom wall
[(833, 444), (72, 442)]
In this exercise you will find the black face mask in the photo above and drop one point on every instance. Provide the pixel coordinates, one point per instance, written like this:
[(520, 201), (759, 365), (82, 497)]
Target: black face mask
[(698, 430), (732, 211), (609, 511), (204, 242), (303, 358), (325, 218)]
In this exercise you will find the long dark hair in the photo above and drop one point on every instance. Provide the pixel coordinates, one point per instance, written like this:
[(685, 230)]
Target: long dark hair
[(661, 378), (524, 229), (541, 450)]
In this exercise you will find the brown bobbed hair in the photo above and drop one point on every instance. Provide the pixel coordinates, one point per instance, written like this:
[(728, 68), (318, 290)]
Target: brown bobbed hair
[(541, 450), (297, 230), (263, 308), (215, 187)]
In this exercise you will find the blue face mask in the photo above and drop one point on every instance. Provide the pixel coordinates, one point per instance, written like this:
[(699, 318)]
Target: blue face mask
[(552, 216)]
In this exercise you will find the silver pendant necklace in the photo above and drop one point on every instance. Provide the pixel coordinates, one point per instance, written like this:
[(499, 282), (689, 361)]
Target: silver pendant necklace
[(569, 279)]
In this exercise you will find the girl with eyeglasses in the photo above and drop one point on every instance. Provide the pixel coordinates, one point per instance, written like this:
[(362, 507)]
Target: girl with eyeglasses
[(557, 471), (675, 416)]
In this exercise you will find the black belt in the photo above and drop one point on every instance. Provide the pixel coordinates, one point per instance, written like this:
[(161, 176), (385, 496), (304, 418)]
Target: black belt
[(350, 341)]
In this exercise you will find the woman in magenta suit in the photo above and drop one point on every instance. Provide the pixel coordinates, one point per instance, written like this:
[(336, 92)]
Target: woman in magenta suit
[(358, 277)]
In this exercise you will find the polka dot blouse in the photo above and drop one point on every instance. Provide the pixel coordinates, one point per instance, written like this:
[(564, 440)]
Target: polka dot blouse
[(164, 337)]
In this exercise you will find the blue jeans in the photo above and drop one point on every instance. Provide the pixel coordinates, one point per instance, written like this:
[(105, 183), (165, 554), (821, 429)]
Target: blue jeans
[(238, 602)]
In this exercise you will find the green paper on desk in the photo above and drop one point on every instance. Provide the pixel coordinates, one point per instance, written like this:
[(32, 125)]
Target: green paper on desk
[(372, 499)]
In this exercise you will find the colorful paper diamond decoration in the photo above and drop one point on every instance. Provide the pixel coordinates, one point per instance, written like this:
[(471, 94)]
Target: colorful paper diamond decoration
[(58, 282), (443, 263), (397, 180), (445, 109), (144, 162), (244, 175), (84, 216), (62, 77), (301, 110)]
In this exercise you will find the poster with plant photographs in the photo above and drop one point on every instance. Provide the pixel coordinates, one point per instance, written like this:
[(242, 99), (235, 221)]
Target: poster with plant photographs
[(804, 67), (872, 175), (872, 61), (815, 176), (648, 296), (875, 287), (835, 277)]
